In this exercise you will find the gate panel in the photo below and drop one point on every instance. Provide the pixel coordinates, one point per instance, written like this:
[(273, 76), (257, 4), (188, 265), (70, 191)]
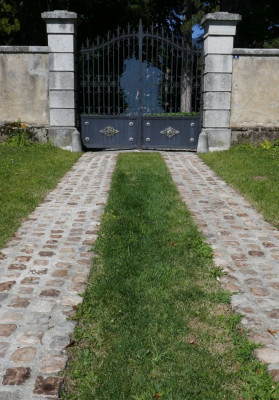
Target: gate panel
[(103, 132), (133, 75), (171, 133)]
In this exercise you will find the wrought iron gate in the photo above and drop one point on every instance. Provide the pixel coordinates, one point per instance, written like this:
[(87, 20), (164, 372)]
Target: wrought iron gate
[(140, 89)]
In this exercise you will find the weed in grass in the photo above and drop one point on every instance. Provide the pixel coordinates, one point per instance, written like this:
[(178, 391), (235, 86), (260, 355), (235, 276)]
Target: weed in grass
[(18, 135), (266, 145), (216, 272), (155, 323)]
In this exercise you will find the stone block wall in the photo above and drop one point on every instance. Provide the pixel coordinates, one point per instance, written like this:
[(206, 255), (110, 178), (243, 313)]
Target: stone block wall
[(38, 86), (24, 85), (240, 88), (255, 95), (61, 32), (219, 31)]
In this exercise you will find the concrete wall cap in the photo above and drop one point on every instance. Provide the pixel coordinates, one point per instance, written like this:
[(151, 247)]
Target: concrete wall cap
[(256, 52), (221, 16), (59, 14), (24, 49)]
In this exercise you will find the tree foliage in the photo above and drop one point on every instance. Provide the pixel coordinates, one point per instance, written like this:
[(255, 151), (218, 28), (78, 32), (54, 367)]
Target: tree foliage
[(9, 23), (21, 23), (260, 22)]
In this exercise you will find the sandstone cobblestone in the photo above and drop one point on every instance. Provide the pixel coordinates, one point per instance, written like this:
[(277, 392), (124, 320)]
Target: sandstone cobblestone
[(19, 302), (49, 386), (60, 274), (5, 286), (50, 293), (42, 268), (53, 363), (24, 355), (30, 337), (20, 267), (16, 376), (244, 245)]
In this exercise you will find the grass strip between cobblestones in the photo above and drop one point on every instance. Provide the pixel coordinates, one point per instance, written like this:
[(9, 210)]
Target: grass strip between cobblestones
[(254, 173), (27, 173), (155, 323)]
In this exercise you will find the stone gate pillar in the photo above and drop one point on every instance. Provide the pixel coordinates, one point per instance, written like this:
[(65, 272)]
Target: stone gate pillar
[(219, 32), (61, 31)]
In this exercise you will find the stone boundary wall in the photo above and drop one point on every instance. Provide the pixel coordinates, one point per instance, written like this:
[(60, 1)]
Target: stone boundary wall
[(255, 95), (38, 84), (24, 86)]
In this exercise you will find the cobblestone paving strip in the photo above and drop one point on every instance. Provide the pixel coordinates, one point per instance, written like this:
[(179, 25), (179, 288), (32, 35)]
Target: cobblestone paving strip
[(43, 269), (244, 245)]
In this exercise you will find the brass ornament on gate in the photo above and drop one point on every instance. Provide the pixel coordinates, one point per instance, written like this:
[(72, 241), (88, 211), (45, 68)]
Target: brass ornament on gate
[(109, 131), (169, 132)]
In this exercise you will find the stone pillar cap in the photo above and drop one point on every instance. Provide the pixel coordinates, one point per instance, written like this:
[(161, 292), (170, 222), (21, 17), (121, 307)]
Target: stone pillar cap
[(59, 14), (221, 16)]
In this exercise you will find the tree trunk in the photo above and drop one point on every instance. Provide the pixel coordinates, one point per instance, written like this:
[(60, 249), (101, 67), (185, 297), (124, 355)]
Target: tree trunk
[(186, 78), (186, 88)]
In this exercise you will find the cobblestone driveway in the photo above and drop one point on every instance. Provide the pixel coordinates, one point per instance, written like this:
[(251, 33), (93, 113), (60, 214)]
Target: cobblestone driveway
[(245, 246), (45, 266), (42, 271)]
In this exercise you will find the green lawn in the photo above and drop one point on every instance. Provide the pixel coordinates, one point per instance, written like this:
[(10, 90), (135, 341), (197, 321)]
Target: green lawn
[(27, 173), (155, 323), (252, 171)]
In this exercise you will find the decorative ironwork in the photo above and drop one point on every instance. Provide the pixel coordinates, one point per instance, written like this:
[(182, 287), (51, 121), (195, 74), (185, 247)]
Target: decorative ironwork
[(170, 132), (109, 131), (139, 72)]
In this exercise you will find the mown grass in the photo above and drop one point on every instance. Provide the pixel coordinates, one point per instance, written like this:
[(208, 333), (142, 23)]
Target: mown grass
[(252, 171), (155, 323), (27, 173)]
